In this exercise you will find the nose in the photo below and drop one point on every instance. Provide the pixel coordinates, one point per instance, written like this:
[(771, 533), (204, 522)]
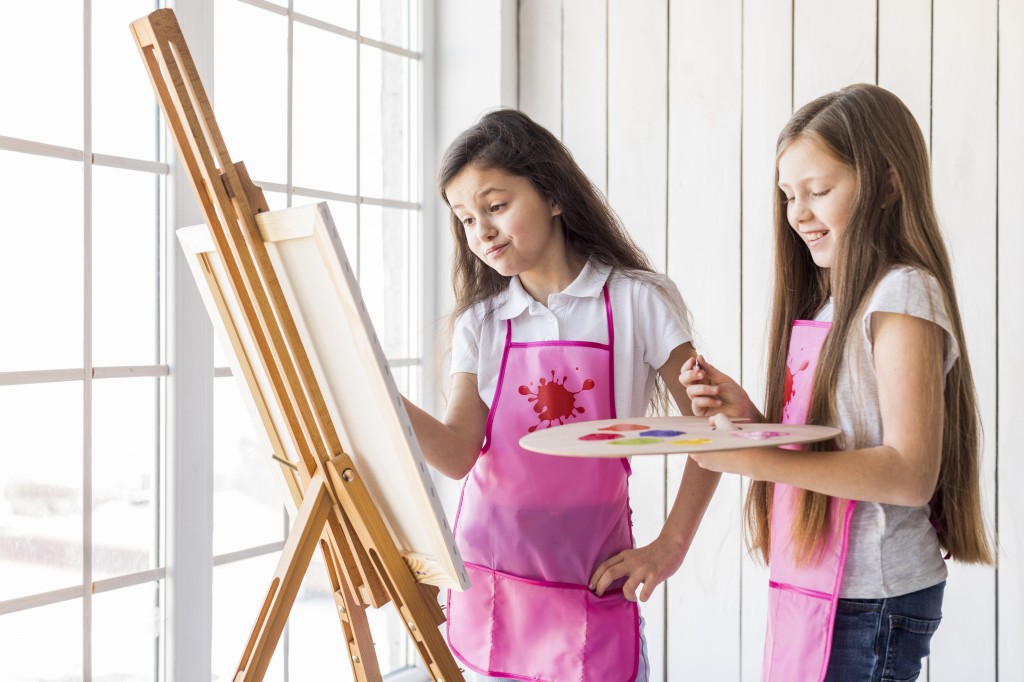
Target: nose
[(485, 229), (799, 211)]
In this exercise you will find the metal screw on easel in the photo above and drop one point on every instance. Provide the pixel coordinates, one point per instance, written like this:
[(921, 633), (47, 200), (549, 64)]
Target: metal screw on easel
[(355, 659), (348, 475)]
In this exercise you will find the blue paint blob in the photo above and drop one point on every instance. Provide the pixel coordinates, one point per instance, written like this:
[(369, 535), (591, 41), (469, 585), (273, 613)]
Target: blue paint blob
[(662, 433)]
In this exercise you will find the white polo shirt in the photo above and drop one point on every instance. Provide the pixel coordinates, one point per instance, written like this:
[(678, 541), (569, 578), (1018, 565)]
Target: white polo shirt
[(647, 329)]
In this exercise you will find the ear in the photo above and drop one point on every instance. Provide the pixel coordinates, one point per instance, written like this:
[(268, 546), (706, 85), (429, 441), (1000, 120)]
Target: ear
[(555, 208), (892, 188)]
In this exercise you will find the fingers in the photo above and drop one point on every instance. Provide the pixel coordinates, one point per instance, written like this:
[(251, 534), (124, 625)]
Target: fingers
[(648, 590), (614, 569), (687, 373), (722, 423), (606, 574), (629, 589)]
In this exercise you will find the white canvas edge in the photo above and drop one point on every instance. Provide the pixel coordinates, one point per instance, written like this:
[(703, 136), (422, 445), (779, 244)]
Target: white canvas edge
[(315, 222)]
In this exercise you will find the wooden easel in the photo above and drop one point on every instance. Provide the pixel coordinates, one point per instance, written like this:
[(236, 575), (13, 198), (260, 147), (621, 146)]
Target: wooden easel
[(335, 510)]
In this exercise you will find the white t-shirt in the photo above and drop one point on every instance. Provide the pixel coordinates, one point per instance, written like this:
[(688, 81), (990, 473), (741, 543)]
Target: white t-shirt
[(893, 550), (647, 329)]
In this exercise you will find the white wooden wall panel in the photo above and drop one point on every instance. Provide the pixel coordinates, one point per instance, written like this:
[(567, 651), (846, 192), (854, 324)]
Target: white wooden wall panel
[(637, 120), (905, 55), (649, 97), (825, 60), (705, 86), (585, 86), (1010, 588), (637, 189), (767, 100), (964, 170), (540, 62)]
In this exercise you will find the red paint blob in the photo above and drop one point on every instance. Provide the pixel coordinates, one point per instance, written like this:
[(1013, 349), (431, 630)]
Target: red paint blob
[(624, 427), (601, 436)]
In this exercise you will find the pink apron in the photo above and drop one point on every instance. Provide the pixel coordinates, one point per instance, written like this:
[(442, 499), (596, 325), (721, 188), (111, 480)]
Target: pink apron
[(802, 598), (532, 528)]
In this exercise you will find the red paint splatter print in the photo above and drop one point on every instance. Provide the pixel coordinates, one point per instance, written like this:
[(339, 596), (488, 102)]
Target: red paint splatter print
[(790, 391), (554, 401)]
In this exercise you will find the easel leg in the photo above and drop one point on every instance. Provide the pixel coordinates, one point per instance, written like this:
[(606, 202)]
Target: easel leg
[(420, 613), (295, 557), (352, 613)]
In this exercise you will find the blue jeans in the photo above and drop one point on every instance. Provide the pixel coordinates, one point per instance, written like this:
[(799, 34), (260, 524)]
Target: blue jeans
[(884, 640)]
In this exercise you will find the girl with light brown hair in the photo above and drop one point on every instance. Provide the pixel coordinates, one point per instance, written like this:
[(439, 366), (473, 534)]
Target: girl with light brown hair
[(865, 335)]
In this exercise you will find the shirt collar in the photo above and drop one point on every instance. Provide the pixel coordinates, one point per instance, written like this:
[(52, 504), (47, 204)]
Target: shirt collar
[(589, 283)]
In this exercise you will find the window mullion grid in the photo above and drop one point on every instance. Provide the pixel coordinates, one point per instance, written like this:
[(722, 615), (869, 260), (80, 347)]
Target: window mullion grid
[(87, 339), (359, 139)]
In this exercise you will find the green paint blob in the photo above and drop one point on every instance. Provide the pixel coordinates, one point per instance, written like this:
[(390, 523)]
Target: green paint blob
[(637, 441)]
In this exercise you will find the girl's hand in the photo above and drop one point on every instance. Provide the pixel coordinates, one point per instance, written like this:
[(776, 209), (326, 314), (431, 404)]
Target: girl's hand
[(724, 461), (651, 565), (711, 392)]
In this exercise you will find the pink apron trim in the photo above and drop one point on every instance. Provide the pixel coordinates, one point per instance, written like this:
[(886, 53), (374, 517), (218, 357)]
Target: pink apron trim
[(530, 614), (802, 598)]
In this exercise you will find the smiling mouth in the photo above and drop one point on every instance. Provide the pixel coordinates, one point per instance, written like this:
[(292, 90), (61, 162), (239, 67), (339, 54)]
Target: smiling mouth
[(495, 249), (813, 238)]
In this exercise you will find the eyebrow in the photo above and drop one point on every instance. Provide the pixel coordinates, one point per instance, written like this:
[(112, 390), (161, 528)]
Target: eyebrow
[(808, 178), (482, 193)]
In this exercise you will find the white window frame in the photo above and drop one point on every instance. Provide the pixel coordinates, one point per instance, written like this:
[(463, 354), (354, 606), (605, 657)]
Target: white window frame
[(185, 555)]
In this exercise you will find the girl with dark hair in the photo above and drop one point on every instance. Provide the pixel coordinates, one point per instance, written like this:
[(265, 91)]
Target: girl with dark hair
[(865, 335), (559, 317)]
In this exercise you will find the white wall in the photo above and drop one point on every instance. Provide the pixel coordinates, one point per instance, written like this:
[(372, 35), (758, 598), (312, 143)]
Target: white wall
[(673, 107)]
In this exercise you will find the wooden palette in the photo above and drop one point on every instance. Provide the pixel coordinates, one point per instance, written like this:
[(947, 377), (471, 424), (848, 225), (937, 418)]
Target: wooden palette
[(665, 435)]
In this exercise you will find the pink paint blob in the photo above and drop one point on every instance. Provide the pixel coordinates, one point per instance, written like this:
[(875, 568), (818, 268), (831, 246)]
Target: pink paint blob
[(760, 435), (624, 427), (601, 436)]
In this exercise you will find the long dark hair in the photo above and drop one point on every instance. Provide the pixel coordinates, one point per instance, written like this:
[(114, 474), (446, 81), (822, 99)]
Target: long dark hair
[(511, 141), (870, 130)]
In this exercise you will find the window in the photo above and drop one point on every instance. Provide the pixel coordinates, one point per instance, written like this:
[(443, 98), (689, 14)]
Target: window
[(81, 363), (321, 100)]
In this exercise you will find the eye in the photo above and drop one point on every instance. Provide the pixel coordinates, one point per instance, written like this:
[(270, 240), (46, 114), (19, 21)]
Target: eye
[(789, 200), (467, 221), (820, 194), (496, 207)]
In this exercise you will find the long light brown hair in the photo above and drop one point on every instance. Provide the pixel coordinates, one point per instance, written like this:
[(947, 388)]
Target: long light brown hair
[(870, 130)]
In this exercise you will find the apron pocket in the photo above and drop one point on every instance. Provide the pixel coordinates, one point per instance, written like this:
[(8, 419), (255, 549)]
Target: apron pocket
[(537, 630), (797, 611)]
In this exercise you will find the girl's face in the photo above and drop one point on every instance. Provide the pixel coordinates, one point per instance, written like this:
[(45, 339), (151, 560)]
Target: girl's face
[(820, 190), (509, 225)]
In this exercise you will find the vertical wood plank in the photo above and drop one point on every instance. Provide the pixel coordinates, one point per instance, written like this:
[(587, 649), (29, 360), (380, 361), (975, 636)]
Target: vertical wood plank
[(904, 55), (767, 98), (964, 170), (637, 126), (1010, 587), (637, 177), (705, 87), (585, 86), (824, 59), (540, 62)]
